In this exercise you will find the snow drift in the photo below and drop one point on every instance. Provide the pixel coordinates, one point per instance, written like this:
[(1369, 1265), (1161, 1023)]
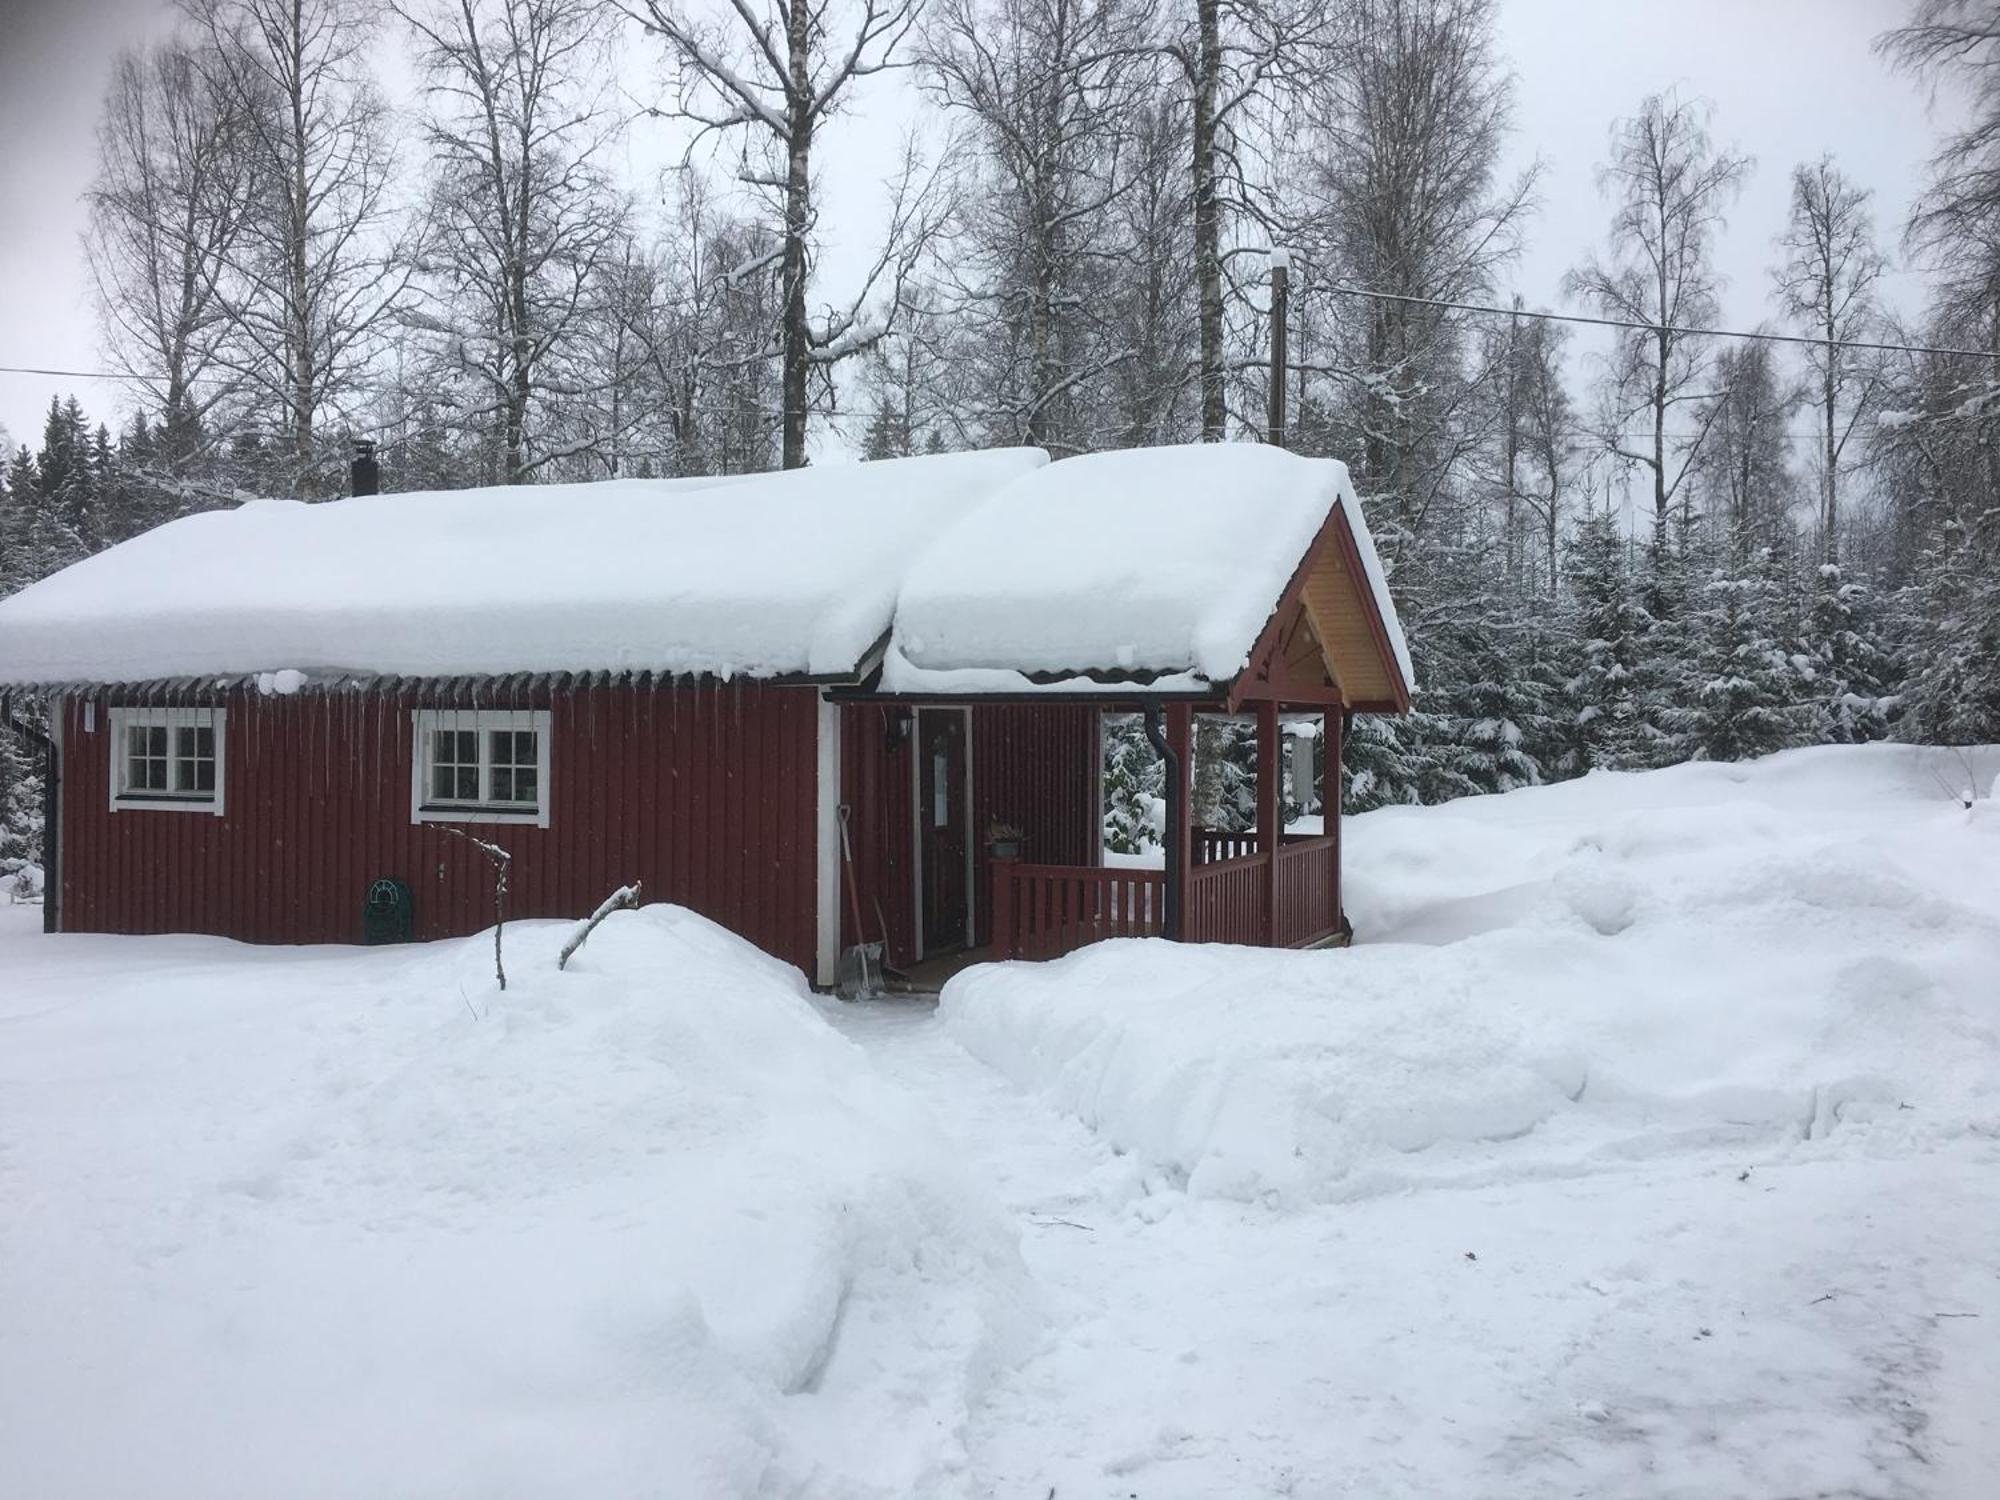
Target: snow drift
[(329, 1223), (1754, 956)]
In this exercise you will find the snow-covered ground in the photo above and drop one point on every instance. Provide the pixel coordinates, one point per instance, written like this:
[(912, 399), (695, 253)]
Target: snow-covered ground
[(1649, 1146), (332, 1223)]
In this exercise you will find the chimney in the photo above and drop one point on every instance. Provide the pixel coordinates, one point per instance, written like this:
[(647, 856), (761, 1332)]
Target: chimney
[(1281, 276), (365, 477)]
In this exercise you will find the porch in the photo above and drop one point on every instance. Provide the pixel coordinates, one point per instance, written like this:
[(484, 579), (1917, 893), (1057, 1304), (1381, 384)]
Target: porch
[(1262, 886), (928, 783)]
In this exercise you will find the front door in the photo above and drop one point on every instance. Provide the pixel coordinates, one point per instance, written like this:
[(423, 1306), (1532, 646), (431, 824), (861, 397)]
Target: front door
[(944, 832)]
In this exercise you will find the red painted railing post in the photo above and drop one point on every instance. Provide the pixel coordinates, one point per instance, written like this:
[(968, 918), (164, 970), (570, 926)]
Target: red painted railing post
[(1270, 812), (1004, 941), (1180, 735)]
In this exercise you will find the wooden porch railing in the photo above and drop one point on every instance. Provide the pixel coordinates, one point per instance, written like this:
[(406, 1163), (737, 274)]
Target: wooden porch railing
[(1045, 911), (1226, 901), (1212, 846), (1308, 890)]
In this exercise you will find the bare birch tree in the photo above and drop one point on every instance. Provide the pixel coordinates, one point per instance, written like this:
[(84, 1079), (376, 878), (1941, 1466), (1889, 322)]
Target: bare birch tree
[(167, 211), (521, 217), (1669, 186), (1744, 470), (1150, 305), (1230, 54), (314, 275), (1827, 287), (774, 72), (1397, 190), (1550, 438), (1045, 88)]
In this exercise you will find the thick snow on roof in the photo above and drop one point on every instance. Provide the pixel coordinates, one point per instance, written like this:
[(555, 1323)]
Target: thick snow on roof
[(761, 576), (1149, 560)]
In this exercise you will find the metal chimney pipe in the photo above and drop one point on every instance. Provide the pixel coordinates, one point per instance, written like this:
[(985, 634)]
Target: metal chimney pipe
[(1281, 275), (365, 475)]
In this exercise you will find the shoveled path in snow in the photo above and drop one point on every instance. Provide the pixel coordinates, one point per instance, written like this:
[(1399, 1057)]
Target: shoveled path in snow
[(1660, 1328)]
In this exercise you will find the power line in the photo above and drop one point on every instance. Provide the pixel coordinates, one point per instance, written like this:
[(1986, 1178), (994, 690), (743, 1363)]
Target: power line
[(1713, 333), (65, 374)]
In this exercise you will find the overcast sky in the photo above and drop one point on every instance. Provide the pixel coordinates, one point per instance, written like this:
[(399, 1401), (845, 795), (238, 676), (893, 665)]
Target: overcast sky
[(1790, 79)]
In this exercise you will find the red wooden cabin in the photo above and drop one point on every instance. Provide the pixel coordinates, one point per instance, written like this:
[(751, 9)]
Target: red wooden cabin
[(732, 691)]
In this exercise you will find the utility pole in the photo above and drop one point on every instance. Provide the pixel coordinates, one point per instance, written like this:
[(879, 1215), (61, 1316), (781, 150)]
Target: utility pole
[(1281, 274), (1511, 438)]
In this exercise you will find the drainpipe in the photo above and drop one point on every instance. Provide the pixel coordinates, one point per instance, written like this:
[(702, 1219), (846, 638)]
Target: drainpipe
[(51, 811), (1170, 924)]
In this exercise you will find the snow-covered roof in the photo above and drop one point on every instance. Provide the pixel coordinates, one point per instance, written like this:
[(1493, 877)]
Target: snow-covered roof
[(790, 573), (1157, 563), (998, 571)]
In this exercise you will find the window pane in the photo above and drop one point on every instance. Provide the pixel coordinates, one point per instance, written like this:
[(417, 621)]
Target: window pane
[(513, 754), (145, 758), (194, 759), (454, 765), (512, 747)]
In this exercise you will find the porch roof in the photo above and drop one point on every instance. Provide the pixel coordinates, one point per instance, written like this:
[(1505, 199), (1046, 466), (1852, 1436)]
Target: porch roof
[(1165, 571)]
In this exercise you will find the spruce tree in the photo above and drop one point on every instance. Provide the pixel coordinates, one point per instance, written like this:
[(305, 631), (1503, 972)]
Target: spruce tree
[(1504, 711), (1134, 786), (1854, 673), (20, 807), (1376, 756), (1545, 661), (1662, 685), (1608, 716), (1954, 685), (1749, 697)]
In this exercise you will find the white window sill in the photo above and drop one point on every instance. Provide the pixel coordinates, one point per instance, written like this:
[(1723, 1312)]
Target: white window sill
[(165, 802), (451, 813)]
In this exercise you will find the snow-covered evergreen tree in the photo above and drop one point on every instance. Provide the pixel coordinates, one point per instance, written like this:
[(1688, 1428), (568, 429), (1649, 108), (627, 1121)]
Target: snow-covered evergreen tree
[(1507, 713), (1661, 685), (1954, 685), (1854, 672), (1749, 695), (20, 806), (1134, 786), (1608, 717)]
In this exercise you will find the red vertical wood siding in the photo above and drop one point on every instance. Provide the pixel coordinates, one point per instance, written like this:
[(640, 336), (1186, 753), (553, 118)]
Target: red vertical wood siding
[(704, 792), (1034, 765), (1040, 767), (877, 771)]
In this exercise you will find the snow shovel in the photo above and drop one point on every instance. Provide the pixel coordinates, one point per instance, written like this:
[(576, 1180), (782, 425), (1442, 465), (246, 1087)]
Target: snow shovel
[(859, 977)]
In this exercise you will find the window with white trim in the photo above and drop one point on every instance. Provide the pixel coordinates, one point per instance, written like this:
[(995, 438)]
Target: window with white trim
[(167, 758), (481, 765)]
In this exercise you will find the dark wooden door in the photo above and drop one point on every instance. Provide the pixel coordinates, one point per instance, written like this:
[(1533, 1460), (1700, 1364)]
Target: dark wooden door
[(944, 833)]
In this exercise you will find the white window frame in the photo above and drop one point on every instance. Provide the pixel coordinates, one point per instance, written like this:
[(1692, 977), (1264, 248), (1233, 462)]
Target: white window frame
[(123, 799), (482, 722)]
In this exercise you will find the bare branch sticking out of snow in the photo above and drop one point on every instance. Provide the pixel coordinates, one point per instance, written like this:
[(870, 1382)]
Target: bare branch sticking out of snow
[(625, 898)]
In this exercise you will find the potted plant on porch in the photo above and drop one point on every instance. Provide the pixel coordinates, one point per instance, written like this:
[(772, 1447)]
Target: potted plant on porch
[(1003, 839)]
